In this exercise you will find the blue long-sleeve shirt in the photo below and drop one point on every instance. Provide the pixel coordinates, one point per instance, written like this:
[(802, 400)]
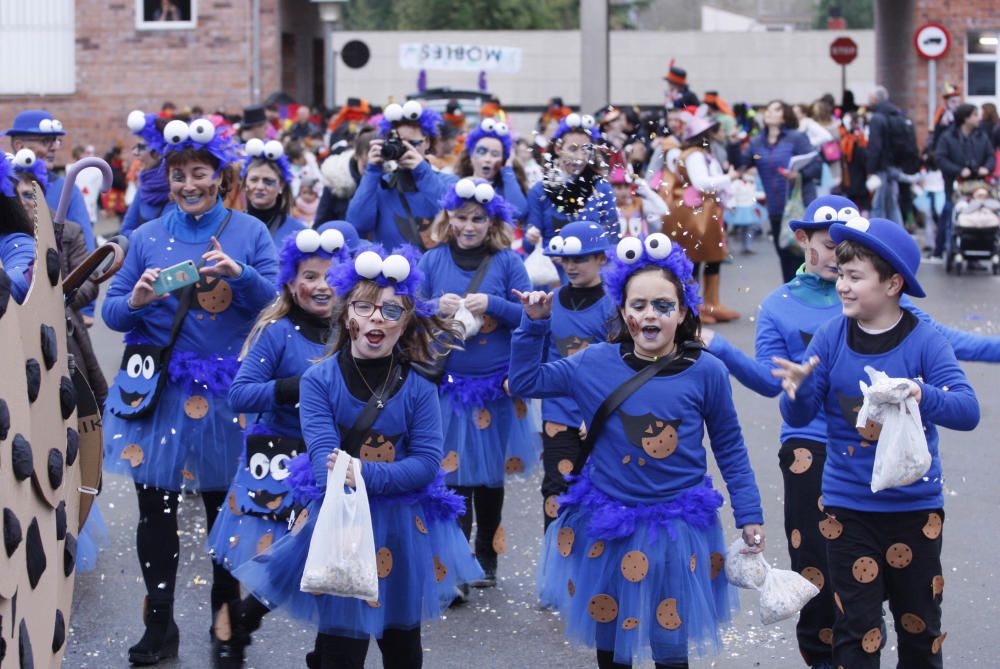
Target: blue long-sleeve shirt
[(377, 211), (140, 212), (509, 189), (77, 211), (628, 459), (947, 400), (488, 352), (599, 208), (411, 419), (220, 316), (768, 158), (17, 251)]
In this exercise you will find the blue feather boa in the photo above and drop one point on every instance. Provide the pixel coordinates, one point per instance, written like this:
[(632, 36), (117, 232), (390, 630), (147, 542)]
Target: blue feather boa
[(467, 393), (213, 374)]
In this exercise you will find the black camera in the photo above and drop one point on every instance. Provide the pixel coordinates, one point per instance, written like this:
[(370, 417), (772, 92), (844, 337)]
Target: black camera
[(393, 148)]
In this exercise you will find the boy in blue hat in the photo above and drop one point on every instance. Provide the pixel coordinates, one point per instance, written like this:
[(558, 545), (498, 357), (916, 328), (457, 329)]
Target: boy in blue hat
[(887, 544), (35, 129), (581, 312)]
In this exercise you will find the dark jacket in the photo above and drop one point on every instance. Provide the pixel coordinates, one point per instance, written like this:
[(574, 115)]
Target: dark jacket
[(769, 158), (956, 151), (74, 252), (878, 154)]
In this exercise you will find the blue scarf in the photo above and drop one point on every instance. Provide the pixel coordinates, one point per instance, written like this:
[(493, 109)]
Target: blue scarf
[(153, 188)]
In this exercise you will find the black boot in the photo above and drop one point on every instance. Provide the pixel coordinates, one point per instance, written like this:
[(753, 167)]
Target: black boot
[(161, 638), (230, 636), (488, 561)]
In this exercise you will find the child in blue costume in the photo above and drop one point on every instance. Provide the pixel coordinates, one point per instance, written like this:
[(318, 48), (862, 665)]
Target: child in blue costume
[(884, 544), (581, 315), (486, 156), (576, 191), (152, 198), (267, 185), (379, 206), (788, 319), (487, 431), (191, 439), (635, 558), (383, 329)]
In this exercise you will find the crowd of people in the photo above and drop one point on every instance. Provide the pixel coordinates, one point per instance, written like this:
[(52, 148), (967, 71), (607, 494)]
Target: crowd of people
[(381, 296)]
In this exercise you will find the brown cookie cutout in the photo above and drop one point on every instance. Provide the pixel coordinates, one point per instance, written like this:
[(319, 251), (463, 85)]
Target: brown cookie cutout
[(865, 570), (570, 587), (795, 539), (666, 614), (831, 528), (660, 439), (383, 562), (564, 541), (603, 608), (937, 586), (222, 626), (814, 576), (450, 462), (840, 604), (630, 623), (933, 526), (693, 563), (718, 563), (242, 420), (627, 459), (513, 465), (912, 623), (635, 566), (596, 549), (483, 419), (187, 475), (552, 429), (500, 540), (300, 521), (802, 462), (196, 407), (819, 503), (872, 640), (850, 450), (133, 453), (374, 605), (440, 570), (870, 431), (551, 506), (936, 645), (520, 408), (377, 448), (234, 541), (899, 556), (488, 326), (265, 542), (565, 467), (642, 462), (419, 522), (214, 295), (233, 506), (826, 636)]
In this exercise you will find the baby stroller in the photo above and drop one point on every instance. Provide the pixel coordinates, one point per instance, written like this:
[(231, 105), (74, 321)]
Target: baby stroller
[(975, 229)]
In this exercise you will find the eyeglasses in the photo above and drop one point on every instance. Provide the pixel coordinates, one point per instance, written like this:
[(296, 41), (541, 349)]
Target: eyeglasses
[(47, 142), (390, 312)]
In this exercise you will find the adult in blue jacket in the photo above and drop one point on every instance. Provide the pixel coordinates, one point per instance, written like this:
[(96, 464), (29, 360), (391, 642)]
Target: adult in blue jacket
[(152, 199), (486, 156)]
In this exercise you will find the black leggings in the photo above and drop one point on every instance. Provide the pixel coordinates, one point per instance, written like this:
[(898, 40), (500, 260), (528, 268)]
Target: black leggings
[(401, 649), (488, 506), (790, 261), (559, 453), (606, 660), (158, 548)]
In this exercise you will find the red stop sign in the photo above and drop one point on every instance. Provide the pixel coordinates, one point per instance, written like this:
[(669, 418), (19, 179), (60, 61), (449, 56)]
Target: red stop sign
[(843, 50)]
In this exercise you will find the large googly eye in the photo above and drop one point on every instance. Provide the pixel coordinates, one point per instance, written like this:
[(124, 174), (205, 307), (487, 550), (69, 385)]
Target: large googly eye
[(273, 150), (488, 125), (134, 366), (148, 367), (847, 214), (24, 158), (260, 466), (393, 113), (412, 110), (465, 188), (396, 268), (658, 246), (573, 120), (859, 223), (502, 129), (202, 131), (587, 122), (136, 121), (484, 193), (176, 132), (556, 244), (307, 241), (45, 125), (254, 147), (279, 467), (57, 125), (572, 246), (825, 214), (368, 264), (629, 250), (332, 240)]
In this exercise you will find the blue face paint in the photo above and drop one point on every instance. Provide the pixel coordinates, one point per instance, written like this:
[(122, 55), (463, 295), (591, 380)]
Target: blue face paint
[(136, 382), (261, 484), (660, 307)]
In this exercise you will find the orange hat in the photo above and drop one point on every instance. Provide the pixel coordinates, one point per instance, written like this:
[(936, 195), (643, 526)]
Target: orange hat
[(712, 99), (677, 75), (950, 90)]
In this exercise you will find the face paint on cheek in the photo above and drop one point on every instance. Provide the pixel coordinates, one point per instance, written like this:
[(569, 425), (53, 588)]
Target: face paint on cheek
[(633, 326), (354, 329), (813, 257)]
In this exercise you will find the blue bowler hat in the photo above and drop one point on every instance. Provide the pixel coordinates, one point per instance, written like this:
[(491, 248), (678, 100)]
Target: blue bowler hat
[(824, 212), (351, 238), (35, 122), (890, 241), (580, 238)]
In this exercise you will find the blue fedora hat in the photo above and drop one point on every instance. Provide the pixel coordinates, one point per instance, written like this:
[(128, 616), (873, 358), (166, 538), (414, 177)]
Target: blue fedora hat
[(580, 238), (890, 241), (35, 122), (824, 212)]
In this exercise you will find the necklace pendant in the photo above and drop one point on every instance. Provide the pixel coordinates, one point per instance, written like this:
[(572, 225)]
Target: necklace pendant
[(380, 404)]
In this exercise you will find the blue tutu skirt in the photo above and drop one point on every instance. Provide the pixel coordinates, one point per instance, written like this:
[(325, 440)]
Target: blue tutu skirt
[(192, 441), (237, 538), (641, 582), (93, 537), (418, 571)]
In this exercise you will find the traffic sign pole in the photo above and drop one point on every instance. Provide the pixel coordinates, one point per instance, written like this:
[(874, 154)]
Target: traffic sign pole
[(931, 91), (932, 41)]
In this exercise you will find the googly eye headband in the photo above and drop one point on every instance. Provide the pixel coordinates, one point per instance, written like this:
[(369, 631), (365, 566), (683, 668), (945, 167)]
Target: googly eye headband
[(271, 151), (584, 123), (199, 135), (412, 112), (7, 175), (307, 244), (482, 193), (25, 160), (634, 253), (397, 269), (490, 128), (143, 126), (50, 125)]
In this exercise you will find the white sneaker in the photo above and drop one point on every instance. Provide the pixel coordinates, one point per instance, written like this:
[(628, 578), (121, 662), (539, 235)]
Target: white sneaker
[(934, 260)]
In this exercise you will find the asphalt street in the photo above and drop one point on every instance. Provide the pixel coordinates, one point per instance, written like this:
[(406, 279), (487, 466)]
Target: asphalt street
[(504, 626)]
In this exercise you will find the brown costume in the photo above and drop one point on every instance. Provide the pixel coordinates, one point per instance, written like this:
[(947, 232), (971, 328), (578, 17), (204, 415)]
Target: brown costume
[(695, 218)]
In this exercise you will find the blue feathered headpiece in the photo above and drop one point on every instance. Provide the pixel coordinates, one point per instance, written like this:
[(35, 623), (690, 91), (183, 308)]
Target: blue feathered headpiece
[(306, 244), (412, 112), (482, 193), (200, 135), (143, 126), (25, 160), (7, 176), (489, 128), (635, 253), (578, 123), (397, 269), (271, 151)]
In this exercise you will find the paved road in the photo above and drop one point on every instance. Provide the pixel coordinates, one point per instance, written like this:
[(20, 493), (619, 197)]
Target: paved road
[(503, 627)]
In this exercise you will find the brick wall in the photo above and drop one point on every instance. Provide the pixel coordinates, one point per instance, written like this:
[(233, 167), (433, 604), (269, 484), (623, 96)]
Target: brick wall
[(119, 68)]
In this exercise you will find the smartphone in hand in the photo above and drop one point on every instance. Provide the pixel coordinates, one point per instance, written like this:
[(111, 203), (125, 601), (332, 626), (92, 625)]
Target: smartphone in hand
[(175, 277)]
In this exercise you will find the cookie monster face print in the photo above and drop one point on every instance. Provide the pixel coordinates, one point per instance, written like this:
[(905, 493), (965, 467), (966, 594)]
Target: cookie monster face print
[(657, 436), (379, 447), (567, 346), (135, 384), (261, 485)]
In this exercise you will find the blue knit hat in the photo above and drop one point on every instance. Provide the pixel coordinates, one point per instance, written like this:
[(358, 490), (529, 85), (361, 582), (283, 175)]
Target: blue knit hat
[(824, 212), (889, 241), (579, 238)]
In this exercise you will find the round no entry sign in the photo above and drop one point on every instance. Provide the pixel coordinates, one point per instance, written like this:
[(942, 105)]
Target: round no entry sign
[(843, 50), (932, 40)]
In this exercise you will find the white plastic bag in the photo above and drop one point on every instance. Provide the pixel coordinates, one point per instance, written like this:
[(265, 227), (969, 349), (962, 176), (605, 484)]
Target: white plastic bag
[(901, 455), (745, 570), (783, 594), (540, 268), (341, 559), (470, 322)]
